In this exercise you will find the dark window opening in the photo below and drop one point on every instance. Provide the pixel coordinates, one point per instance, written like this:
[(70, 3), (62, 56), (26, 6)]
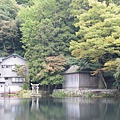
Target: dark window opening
[(3, 66)]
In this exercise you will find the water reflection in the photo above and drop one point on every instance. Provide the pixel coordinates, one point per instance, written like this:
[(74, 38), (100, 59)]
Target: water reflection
[(59, 109), (9, 108)]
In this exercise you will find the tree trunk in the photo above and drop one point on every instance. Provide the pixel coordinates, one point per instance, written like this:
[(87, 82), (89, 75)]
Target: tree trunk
[(102, 83), (13, 45), (48, 88)]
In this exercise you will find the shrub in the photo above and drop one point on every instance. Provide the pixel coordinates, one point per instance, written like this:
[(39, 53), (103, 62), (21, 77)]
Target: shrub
[(25, 86), (59, 93)]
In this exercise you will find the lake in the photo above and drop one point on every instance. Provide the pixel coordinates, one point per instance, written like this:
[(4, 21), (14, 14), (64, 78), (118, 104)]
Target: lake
[(75, 108)]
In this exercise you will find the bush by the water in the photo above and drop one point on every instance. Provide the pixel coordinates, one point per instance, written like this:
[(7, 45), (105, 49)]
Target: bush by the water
[(25, 93), (59, 93)]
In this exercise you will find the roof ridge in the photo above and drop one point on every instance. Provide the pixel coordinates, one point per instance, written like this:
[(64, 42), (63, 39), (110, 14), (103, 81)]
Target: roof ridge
[(4, 58)]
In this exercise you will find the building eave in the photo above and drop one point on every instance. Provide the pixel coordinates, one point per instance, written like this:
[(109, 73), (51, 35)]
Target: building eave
[(13, 55)]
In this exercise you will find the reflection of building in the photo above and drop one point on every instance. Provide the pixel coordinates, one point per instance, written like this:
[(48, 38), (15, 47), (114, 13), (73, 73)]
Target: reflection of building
[(10, 82), (73, 111), (59, 109), (95, 109), (9, 108)]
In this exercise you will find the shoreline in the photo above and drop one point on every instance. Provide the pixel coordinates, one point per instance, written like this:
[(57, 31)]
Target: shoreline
[(87, 93), (93, 93)]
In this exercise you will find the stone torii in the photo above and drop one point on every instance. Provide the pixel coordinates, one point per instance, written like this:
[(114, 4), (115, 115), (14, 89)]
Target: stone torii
[(35, 88)]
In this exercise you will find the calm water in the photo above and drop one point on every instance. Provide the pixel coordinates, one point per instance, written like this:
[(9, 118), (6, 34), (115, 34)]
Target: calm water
[(59, 109)]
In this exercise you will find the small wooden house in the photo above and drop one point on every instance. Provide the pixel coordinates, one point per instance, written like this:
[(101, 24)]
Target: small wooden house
[(10, 82), (79, 79)]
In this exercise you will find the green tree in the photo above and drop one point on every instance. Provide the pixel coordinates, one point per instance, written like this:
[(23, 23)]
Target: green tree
[(117, 74), (47, 30), (99, 38), (113, 66), (78, 7), (22, 71), (9, 32), (53, 67)]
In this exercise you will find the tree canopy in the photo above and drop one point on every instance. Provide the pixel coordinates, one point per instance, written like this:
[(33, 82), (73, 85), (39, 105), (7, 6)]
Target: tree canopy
[(99, 33), (9, 28), (47, 30), (43, 29)]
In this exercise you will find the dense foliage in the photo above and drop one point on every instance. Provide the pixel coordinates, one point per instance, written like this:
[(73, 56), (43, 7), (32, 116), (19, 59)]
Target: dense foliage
[(22, 71), (22, 1), (9, 28), (48, 31), (99, 34)]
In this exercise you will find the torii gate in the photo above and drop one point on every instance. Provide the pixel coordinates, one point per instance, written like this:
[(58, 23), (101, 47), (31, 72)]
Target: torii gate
[(35, 88)]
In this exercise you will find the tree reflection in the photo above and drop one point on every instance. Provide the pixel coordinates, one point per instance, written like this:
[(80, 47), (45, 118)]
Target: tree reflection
[(73, 109), (42, 109), (59, 109)]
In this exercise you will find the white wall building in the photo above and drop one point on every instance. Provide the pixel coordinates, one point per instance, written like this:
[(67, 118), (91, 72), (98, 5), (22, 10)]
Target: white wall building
[(10, 82)]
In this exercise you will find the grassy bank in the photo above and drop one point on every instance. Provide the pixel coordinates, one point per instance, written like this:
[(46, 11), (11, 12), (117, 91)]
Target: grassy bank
[(96, 93), (69, 93), (24, 94)]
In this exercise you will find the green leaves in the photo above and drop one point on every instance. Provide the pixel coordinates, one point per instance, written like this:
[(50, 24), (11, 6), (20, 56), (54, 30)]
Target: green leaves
[(46, 30), (9, 28), (21, 71), (99, 40), (97, 32)]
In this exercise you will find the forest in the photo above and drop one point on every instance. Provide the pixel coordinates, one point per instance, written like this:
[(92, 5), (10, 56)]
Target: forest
[(52, 35)]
